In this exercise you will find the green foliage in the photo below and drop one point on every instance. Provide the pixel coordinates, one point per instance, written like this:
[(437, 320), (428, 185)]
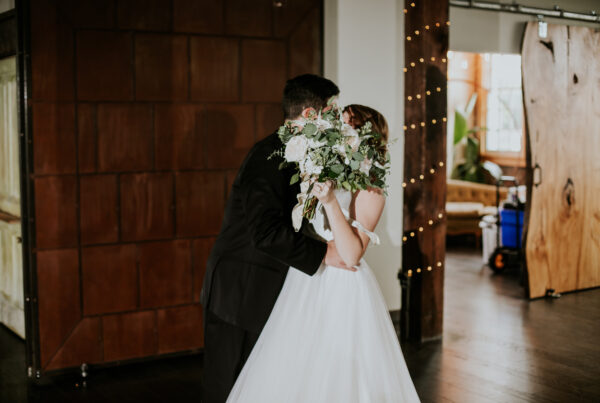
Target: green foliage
[(472, 169)]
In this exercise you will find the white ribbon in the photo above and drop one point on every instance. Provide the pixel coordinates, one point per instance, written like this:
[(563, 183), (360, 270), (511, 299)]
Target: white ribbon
[(372, 236)]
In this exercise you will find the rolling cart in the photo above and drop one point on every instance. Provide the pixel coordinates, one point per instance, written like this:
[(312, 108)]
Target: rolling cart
[(508, 253)]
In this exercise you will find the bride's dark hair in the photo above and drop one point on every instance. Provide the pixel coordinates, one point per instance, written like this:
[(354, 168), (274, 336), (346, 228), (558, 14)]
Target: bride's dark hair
[(360, 114)]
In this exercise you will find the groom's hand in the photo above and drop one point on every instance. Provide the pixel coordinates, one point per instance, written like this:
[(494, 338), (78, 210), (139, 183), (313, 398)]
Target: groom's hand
[(332, 258)]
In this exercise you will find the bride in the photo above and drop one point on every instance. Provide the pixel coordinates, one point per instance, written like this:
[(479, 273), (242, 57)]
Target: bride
[(330, 337)]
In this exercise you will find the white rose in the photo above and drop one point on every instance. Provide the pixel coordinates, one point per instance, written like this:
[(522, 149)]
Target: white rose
[(312, 143), (365, 166), (339, 148), (351, 137), (348, 130), (323, 124), (311, 168), (295, 149), (353, 142)]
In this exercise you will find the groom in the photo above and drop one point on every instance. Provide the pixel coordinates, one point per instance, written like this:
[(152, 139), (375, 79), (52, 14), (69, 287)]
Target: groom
[(256, 246)]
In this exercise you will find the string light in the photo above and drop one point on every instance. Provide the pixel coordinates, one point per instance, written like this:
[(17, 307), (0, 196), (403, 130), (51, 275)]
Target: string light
[(422, 229), (423, 124), (410, 272), (432, 170), (420, 96)]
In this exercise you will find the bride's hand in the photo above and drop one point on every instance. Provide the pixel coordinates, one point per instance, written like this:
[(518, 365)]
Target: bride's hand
[(323, 192)]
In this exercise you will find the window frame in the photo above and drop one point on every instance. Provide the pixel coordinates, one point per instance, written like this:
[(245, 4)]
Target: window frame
[(505, 158)]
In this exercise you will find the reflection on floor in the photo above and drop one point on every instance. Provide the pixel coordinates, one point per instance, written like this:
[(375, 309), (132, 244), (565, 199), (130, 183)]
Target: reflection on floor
[(497, 347)]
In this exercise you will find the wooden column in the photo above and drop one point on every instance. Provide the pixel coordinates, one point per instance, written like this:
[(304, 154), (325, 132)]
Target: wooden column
[(426, 44)]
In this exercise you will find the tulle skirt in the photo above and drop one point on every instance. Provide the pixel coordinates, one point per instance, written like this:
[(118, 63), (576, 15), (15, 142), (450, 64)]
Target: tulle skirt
[(329, 339)]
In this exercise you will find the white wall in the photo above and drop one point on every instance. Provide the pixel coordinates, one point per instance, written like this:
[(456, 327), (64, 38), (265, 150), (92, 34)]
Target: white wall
[(489, 31), (364, 55), (6, 5)]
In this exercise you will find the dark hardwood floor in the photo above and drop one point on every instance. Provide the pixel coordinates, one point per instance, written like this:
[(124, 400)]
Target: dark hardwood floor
[(497, 347)]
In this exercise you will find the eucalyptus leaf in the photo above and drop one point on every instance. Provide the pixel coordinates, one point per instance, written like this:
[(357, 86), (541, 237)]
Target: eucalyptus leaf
[(338, 168), (310, 129), (295, 178), (358, 156)]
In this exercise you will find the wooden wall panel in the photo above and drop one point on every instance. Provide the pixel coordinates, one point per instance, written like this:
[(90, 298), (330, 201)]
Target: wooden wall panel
[(561, 83), (142, 112), (423, 252)]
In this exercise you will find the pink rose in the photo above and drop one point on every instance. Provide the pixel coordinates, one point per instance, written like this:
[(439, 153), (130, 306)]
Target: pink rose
[(309, 113)]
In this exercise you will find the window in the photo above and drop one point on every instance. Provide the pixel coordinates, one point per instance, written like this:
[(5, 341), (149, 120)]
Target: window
[(504, 115)]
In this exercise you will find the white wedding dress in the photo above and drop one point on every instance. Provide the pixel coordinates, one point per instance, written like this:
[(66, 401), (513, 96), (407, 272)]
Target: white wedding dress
[(329, 339)]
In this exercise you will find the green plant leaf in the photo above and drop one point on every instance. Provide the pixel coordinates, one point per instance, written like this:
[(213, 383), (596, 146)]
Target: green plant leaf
[(338, 168), (470, 104), (295, 178), (472, 151), (310, 129), (358, 156), (460, 126)]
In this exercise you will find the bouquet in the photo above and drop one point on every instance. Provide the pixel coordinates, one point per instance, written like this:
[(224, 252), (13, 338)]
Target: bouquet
[(322, 147)]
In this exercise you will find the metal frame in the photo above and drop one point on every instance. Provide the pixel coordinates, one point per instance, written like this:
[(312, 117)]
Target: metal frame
[(32, 346), (555, 12)]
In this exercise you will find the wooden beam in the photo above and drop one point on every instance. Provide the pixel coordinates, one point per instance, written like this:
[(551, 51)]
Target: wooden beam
[(426, 45)]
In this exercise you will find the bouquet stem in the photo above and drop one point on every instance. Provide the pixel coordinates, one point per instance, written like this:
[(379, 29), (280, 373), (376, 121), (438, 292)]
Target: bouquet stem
[(310, 207)]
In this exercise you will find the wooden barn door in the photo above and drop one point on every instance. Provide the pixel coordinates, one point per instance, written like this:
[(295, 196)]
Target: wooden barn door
[(138, 115), (561, 88)]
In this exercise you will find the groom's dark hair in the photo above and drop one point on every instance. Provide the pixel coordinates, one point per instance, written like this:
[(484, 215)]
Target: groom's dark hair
[(305, 91)]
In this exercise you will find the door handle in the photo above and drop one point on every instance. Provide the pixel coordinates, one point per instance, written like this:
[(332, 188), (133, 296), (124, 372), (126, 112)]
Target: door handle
[(537, 175)]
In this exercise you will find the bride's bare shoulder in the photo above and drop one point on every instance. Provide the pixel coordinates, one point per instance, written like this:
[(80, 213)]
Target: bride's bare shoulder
[(370, 197), (370, 193)]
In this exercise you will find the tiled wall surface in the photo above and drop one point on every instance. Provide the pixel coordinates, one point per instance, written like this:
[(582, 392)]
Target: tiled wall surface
[(142, 111)]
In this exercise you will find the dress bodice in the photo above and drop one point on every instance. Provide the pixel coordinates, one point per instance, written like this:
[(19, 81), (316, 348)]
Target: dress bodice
[(321, 224)]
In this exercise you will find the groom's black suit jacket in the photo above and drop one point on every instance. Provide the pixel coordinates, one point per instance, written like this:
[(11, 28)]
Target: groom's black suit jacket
[(257, 243)]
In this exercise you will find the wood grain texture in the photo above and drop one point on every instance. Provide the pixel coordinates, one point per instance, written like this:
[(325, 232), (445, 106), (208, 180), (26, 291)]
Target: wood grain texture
[(424, 149), (561, 83)]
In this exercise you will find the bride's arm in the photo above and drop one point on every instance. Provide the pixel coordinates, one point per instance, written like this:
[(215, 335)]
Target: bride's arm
[(366, 208)]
